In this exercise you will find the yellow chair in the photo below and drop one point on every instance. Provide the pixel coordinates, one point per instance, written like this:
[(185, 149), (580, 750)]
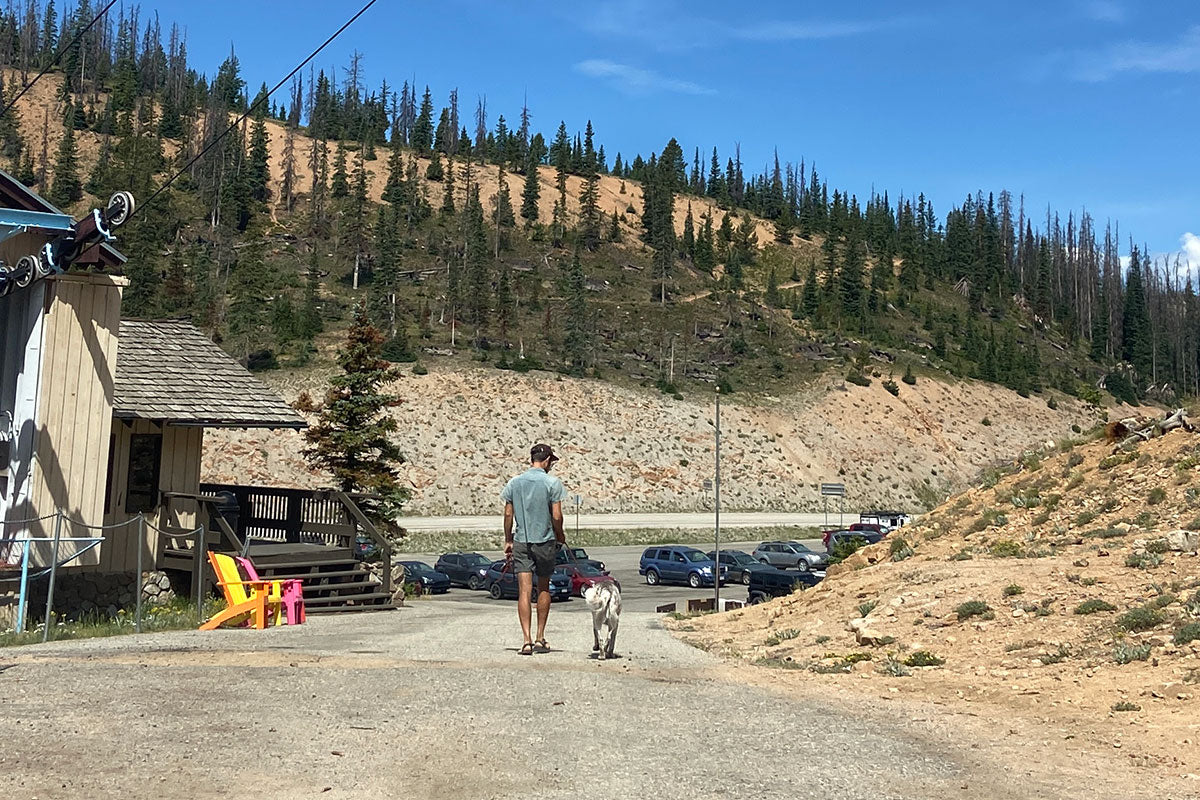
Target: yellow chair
[(247, 602)]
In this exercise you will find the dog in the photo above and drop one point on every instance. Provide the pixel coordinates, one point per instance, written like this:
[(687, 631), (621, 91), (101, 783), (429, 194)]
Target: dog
[(604, 599)]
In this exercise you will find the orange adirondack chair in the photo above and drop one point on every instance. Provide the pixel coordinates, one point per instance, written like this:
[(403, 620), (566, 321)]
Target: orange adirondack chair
[(251, 600)]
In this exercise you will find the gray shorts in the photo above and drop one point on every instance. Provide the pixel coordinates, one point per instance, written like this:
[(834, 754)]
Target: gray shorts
[(536, 557)]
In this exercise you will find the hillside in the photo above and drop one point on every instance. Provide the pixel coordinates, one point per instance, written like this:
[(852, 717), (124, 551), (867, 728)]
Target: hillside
[(1063, 596), (465, 430)]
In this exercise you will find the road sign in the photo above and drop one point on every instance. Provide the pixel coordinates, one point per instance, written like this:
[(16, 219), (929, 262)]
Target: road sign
[(706, 485), (578, 499), (833, 489)]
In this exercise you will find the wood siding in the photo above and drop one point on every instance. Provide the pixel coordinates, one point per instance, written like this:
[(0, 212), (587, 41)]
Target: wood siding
[(74, 415), (179, 471)]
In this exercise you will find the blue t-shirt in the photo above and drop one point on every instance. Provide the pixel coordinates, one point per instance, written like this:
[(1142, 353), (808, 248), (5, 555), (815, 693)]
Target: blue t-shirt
[(531, 494)]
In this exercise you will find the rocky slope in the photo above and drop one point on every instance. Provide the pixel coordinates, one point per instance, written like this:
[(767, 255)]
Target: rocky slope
[(1065, 600), (466, 430)]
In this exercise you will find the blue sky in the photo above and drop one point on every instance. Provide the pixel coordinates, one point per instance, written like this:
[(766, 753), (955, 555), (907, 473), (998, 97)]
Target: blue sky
[(1073, 103)]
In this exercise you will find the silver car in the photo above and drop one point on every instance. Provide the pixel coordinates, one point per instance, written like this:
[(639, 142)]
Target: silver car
[(790, 554)]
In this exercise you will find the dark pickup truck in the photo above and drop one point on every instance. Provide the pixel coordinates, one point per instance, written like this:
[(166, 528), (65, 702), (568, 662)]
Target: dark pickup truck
[(768, 582)]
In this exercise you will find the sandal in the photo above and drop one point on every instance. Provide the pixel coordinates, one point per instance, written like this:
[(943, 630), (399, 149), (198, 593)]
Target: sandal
[(526, 649), (542, 646)]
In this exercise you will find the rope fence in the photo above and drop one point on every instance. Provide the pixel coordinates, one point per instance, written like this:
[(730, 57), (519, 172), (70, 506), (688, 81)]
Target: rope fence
[(89, 543)]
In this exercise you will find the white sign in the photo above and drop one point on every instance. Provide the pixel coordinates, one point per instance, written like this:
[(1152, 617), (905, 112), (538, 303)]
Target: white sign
[(833, 489)]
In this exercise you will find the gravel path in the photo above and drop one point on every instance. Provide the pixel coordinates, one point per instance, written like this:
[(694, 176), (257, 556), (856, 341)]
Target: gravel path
[(431, 701)]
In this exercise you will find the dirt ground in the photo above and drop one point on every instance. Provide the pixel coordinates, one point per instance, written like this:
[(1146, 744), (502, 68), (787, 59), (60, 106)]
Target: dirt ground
[(431, 701), (1081, 527)]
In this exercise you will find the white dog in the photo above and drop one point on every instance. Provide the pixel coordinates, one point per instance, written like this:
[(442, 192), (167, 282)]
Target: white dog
[(604, 599)]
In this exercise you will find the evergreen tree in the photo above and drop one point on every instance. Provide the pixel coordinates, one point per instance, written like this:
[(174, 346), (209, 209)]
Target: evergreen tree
[(66, 188), (475, 262), (422, 134), (689, 234), (448, 208), (589, 210), (705, 256), (503, 219), (259, 160), (1136, 338), (811, 296), (310, 315), (772, 296), (577, 318), (340, 187), (250, 290), (850, 285), (1099, 351), (530, 194), (434, 171), (353, 438)]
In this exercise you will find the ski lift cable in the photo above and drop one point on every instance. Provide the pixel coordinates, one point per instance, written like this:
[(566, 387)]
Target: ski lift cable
[(142, 206), (57, 57)]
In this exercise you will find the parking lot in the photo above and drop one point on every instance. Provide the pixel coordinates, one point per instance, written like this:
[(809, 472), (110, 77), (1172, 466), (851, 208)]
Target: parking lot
[(622, 563)]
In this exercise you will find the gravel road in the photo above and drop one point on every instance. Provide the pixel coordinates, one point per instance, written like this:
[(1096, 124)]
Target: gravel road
[(432, 701)]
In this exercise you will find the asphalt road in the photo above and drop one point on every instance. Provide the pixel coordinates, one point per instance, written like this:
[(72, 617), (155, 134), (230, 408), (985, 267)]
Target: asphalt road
[(622, 563), (734, 519)]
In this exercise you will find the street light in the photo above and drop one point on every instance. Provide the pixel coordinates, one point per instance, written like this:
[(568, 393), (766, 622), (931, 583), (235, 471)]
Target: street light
[(717, 509)]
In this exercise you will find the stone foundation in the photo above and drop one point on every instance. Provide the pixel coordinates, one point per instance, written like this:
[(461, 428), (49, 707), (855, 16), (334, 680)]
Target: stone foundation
[(89, 594)]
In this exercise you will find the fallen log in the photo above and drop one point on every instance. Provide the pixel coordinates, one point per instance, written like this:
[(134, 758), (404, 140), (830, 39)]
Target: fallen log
[(1130, 433)]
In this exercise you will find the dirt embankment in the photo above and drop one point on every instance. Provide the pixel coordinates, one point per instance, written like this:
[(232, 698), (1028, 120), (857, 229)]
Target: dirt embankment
[(1064, 601), (465, 431)]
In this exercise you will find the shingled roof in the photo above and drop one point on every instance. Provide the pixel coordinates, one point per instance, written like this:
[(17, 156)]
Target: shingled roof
[(168, 371)]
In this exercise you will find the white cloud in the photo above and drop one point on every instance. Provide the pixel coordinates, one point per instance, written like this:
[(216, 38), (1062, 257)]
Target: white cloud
[(1104, 10), (636, 80), (1189, 248), (1181, 56)]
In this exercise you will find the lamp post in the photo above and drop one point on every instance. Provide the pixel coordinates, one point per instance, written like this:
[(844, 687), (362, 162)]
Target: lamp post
[(717, 508)]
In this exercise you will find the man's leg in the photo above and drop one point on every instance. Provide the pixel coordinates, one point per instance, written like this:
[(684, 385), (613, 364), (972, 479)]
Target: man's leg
[(524, 611), (543, 608)]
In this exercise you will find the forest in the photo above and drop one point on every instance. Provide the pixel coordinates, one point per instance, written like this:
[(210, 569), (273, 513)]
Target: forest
[(488, 236)]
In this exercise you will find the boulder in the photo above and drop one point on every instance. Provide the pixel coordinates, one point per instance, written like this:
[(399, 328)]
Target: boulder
[(868, 637), (1182, 541)]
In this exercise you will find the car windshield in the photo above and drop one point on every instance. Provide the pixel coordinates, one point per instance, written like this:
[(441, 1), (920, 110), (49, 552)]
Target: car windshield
[(578, 552), (417, 566), (742, 558), (588, 570), (694, 555), (474, 560)]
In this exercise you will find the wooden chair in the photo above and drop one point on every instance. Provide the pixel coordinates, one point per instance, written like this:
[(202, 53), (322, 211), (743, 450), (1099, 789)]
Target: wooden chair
[(247, 602), (289, 594)]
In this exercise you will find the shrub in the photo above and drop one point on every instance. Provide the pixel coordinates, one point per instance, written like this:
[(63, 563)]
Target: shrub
[(420, 369), (1144, 520), (1188, 633), (781, 636), (987, 423), (1012, 590), (1058, 656), (1074, 460), (923, 658), (1093, 606), (1052, 404), (1084, 518), (1125, 705), (304, 403), (1157, 546), (962, 555), (1075, 428), (1005, 548), (1143, 560), (909, 378), (867, 607), (894, 669), (971, 608), (900, 549), (1142, 618), (821, 639), (1125, 652), (1156, 496), (846, 548), (892, 388), (858, 379)]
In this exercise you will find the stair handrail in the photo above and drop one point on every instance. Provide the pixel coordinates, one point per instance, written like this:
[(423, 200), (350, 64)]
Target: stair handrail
[(381, 541)]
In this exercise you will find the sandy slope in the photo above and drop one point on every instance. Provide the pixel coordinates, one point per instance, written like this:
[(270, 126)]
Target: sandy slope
[(466, 430), (1050, 673)]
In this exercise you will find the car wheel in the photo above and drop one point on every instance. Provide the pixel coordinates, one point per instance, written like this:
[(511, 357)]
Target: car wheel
[(802, 565), (746, 578), (756, 598), (694, 580), (495, 591), (474, 582), (764, 561), (652, 577)]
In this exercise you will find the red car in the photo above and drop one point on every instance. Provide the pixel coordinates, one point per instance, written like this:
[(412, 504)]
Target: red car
[(584, 575), (863, 527)]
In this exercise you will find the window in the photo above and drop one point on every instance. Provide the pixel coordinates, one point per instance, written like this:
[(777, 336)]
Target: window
[(664, 555), (145, 459), (679, 557)]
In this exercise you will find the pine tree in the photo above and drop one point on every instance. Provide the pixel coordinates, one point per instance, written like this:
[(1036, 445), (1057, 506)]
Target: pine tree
[(258, 163), (772, 296), (505, 304), (810, 300), (689, 234), (589, 211), (422, 134), (250, 289), (340, 187), (705, 256), (475, 263), (66, 188), (448, 208), (577, 318), (850, 285), (1136, 341), (503, 219), (530, 194), (353, 438), (310, 315), (434, 171)]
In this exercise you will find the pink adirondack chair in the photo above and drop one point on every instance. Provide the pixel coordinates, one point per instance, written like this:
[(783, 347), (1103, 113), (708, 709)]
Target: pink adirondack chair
[(292, 595)]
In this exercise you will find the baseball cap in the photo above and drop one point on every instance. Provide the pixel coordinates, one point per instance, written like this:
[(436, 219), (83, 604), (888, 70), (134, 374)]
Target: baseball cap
[(541, 452)]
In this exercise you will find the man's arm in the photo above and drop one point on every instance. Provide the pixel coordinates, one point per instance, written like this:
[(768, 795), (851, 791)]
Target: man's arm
[(508, 529), (556, 519)]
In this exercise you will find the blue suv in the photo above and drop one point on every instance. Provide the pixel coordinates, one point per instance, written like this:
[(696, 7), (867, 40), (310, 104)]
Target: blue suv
[(678, 565)]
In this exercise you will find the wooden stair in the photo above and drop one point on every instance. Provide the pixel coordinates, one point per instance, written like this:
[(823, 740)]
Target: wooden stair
[(334, 581)]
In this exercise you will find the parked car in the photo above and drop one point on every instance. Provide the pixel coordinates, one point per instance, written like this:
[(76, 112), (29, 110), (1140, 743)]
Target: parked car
[(583, 575), (676, 564), (873, 535), (873, 527), (790, 554), (577, 555), (464, 569), (867, 537), (767, 583), (737, 565), (888, 519), (502, 583), (420, 574)]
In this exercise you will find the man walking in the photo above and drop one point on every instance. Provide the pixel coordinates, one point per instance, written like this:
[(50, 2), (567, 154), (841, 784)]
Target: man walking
[(533, 503)]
